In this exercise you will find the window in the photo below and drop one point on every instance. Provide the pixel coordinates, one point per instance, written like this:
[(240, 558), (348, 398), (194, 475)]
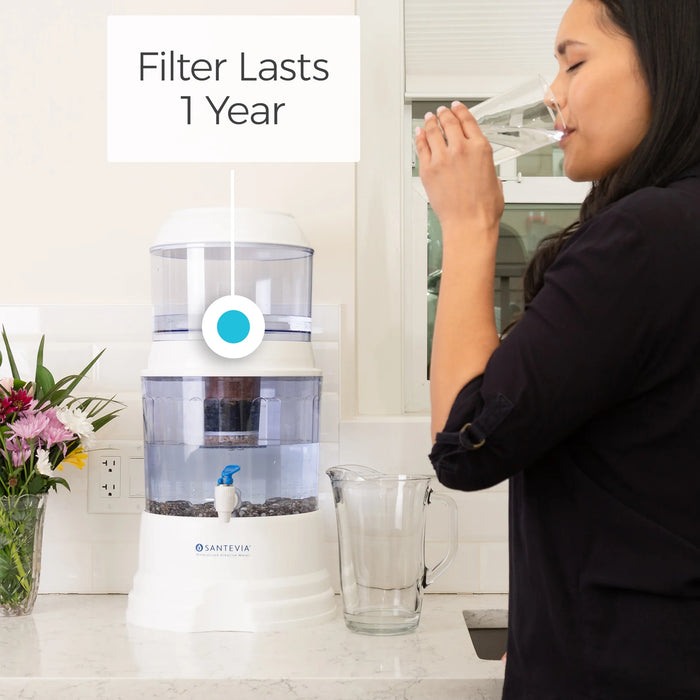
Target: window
[(406, 58)]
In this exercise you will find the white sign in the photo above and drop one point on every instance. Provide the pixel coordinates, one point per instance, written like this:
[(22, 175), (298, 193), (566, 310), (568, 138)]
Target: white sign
[(233, 89)]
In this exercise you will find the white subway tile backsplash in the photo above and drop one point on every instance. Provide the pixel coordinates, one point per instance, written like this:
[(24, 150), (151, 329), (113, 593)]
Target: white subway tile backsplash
[(326, 359), (325, 322), (64, 358), (24, 353), (22, 320), (113, 566), (329, 456), (97, 323), (393, 446), (61, 358), (493, 565), (329, 417), (462, 576), (66, 517), (327, 508), (121, 365), (66, 567), (128, 425), (77, 479), (118, 527), (483, 516)]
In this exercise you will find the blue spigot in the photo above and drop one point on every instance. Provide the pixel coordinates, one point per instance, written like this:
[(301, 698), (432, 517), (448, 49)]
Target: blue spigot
[(226, 496), (226, 477)]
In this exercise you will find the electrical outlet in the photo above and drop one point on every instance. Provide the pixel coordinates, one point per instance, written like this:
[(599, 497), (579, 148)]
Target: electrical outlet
[(116, 482), (111, 476)]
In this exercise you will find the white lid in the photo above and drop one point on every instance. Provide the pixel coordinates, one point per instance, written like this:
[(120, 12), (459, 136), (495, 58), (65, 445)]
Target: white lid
[(211, 226)]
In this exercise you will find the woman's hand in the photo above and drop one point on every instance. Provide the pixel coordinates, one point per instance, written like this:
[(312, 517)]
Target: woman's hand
[(457, 170)]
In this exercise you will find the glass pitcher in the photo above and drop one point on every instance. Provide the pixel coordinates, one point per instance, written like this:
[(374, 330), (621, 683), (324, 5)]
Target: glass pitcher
[(381, 539)]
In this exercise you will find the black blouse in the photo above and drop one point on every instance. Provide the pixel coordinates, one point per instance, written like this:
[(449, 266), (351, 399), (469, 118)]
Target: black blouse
[(591, 407)]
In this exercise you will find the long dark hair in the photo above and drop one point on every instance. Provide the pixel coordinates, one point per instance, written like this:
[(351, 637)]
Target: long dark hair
[(665, 35)]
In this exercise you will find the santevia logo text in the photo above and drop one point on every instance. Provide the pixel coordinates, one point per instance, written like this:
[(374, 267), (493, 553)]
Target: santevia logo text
[(222, 549)]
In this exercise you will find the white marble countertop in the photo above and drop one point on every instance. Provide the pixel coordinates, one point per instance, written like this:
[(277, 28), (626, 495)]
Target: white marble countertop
[(79, 647)]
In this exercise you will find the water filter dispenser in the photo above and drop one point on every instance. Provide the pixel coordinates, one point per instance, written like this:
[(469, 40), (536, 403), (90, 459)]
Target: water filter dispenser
[(238, 434)]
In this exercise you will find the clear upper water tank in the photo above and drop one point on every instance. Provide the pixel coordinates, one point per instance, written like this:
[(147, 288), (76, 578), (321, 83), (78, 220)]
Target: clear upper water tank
[(191, 267)]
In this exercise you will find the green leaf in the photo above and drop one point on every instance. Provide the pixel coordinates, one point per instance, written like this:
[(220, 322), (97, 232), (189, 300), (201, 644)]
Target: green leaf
[(58, 388), (59, 393), (53, 481), (40, 353), (100, 404), (103, 420), (39, 391), (37, 484), (10, 356), (92, 405), (5, 564), (44, 381)]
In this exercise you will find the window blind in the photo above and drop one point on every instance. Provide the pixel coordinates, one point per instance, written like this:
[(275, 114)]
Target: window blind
[(477, 48)]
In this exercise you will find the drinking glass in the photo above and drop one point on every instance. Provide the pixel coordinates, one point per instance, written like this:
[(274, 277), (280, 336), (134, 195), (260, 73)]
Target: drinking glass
[(520, 120)]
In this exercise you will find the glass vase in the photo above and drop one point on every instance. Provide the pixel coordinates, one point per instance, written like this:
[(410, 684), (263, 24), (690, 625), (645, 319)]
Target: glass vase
[(21, 532)]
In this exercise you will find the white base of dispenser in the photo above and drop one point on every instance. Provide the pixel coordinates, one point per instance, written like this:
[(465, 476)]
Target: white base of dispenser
[(250, 574)]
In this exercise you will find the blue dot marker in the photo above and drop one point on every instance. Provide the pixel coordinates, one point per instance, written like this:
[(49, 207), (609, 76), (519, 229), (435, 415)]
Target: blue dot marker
[(233, 326)]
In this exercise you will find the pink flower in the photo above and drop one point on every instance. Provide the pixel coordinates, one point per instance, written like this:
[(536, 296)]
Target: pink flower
[(19, 450), (55, 432), (20, 457), (30, 425), (6, 383)]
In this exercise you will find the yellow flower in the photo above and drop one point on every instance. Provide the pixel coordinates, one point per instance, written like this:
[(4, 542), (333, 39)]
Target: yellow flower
[(78, 458)]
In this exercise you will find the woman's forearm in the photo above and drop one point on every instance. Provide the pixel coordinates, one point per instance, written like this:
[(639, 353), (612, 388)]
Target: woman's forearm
[(457, 170), (465, 332)]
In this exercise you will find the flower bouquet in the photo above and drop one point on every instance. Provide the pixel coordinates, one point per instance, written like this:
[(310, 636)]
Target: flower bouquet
[(42, 428)]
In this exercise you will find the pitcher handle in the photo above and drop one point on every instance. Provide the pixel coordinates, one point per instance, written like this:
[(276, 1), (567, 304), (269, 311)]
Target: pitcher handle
[(435, 571)]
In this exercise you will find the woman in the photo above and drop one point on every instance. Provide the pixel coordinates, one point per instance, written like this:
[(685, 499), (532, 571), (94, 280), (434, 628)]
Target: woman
[(591, 403)]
